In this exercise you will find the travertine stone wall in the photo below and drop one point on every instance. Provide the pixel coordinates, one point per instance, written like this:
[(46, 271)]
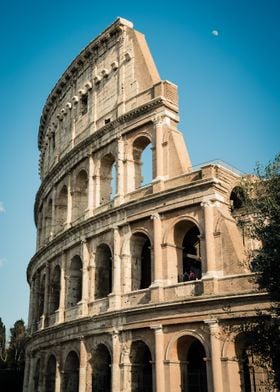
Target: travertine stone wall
[(132, 285)]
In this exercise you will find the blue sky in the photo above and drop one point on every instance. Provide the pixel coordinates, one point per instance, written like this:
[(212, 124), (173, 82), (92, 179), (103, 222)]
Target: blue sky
[(229, 91)]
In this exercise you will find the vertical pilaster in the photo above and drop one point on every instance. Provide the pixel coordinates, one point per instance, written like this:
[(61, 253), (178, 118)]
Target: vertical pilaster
[(27, 371), (92, 276), (209, 236), (53, 218), (69, 202), (215, 354), (58, 377), (120, 171), (46, 295), (157, 251), (61, 309), (116, 377), (116, 270), (97, 184), (90, 186), (83, 366), (159, 363), (85, 258)]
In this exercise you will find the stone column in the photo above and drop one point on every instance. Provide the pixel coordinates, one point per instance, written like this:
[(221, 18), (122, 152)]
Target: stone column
[(158, 123), (120, 171), (85, 258), (83, 366), (159, 362), (209, 236), (31, 304), (90, 186), (53, 220), (46, 295), (69, 203), (215, 354), (61, 309), (115, 297), (157, 254), (92, 276), (116, 377), (97, 184), (58, 378)]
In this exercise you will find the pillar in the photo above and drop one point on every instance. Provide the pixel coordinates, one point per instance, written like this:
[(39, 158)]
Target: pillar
[(83, 366), (53, 220), (117, 269), (157, 252), (91, 269), (120, 171), (215, 354), (69, 203), (85, 259), (27, 369), (158, 124), (61, 309), (159, 358), (116, 377), (90, 186), (97, 184), (46, 295)]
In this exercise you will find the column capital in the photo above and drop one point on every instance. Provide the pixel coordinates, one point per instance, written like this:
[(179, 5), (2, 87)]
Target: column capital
[(155, 216), (211, 322), (156, 327)]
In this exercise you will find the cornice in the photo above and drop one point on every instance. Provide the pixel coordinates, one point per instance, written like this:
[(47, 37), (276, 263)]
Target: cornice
[(72, 70)]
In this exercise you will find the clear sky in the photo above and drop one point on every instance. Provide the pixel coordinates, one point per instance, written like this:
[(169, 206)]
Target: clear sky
[(224, 55)]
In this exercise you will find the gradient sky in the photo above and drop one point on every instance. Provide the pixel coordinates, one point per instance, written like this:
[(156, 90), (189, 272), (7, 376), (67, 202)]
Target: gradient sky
[(229, 91)]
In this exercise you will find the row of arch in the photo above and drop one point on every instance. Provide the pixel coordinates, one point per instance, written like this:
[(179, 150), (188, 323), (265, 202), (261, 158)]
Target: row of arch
[(188, 368), (141, 273), (57, 210)]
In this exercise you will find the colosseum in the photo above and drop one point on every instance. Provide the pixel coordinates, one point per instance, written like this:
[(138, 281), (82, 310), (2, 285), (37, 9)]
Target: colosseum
[(134, 285)]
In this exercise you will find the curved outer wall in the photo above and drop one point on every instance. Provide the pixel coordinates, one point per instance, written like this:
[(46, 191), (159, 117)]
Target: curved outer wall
[(128, 279)]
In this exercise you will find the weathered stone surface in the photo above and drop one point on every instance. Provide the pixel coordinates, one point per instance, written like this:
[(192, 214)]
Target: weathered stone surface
[(131, 285)]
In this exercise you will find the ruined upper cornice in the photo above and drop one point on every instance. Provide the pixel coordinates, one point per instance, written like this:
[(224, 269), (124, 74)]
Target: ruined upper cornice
[(72, 70)]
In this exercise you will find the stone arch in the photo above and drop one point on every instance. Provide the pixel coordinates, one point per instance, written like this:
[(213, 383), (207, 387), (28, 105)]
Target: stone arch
[(101, 368), (183, 241), (54, 294), (107, 189), (74, 289), (141, 367), (236, 200), (61, 208), (50, 374), (80, 194), (187, 353), (70, 382), (141, 260), (139, 148), (103, 271)]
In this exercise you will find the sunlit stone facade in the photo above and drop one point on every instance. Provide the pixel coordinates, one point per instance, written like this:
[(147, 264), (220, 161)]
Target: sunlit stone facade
[(132, 286)]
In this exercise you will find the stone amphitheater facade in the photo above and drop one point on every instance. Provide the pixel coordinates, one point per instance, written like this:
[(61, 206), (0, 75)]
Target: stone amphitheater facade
[(132, 287)]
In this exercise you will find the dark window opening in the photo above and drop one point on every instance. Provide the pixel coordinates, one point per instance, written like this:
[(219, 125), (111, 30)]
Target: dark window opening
[(84, 104)]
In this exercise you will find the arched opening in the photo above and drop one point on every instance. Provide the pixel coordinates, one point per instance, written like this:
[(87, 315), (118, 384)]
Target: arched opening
[(101, 369), (74, 292), (143, 162), (55, 289), (141, 367), (50, 374), (108, 178), (141, 264), (41, 296), (71, 373), (37, 376), (191, 355), (80, 195), (103, 271), (61, 208), (253, 377), (187, 240), (48, 219), (237, 199)]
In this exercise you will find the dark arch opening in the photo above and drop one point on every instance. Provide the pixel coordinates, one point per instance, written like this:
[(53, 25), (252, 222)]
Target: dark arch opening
[(55, 289), (103, 271), (237, 199), (50, 374), (37, 376), (74, 292), (141, 367), (101, 372), (141, 263), (71, 373)]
